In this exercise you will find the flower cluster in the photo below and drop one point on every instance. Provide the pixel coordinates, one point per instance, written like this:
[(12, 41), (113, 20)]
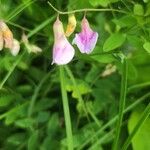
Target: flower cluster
[(7, 40), (63, 51)]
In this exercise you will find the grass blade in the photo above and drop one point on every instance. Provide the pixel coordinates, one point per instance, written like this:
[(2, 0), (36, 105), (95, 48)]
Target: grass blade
[(66, 109), (41, 26), (77, 90), (36, 92), (141, 121), (20, 8), (121, 103), (11, 70)]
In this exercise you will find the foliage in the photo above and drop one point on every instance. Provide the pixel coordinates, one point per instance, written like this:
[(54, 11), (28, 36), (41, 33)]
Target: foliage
[(31, 106)]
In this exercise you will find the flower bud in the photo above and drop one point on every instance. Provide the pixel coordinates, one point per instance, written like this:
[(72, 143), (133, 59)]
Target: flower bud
[(15, 48), (71, 25)]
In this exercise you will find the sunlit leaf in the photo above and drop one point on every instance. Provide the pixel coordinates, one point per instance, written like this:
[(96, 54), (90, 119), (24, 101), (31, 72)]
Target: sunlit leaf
[(147, 46), (114, 41), (141, 139)]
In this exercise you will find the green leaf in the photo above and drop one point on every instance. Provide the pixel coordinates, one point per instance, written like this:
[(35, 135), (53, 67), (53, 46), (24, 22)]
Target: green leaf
[(43, 116), (53, 125), (132, 72), (125, 21), (96, 3), (83, 87), (141, 139), (134, 41), (33, 141), (103, 3), (16, 139), (14, 113), (147, 13), (145, 1), (114, 41), (5, 100), (147, 46), (138, 10), (24, 123), (104, 58)]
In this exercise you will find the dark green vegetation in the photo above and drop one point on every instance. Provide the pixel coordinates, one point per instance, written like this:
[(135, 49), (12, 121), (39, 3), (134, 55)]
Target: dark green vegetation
[(112, 82)]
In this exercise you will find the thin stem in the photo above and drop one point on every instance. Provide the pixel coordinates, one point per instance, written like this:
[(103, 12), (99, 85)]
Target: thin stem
[(23, 28), (121, 103), (94, 117), (11, 70), (77, 90), (66, 109), (36, 92), (113, 120), (19, 9), (85, 10), (104, 138), (40, 26), (141, 121), (138, 86), (81, 101), (101, 140)]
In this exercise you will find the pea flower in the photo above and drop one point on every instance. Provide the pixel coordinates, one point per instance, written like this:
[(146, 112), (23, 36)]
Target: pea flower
[(86, 39), (63, 52), (7, 40), (7, 35)]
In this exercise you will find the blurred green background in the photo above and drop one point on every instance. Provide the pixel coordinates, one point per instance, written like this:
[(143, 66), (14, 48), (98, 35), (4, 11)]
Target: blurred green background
[(31, 110)]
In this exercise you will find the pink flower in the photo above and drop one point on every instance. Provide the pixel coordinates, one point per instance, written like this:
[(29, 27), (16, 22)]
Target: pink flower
[(86, 39), (63, 52)]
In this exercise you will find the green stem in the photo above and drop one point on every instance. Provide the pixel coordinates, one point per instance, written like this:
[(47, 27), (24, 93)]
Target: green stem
[(94, 117), (85, 10), (141, 121), (36, 92), (121, 103), (66, 109), (101, 140), (40, 26), (19, 9), (11, 70), (77, 90), (138, 86)]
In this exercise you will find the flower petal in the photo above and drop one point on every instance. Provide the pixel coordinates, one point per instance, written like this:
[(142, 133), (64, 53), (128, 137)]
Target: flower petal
[(63, 52), (16, 47), (1, 40), (86, 39)]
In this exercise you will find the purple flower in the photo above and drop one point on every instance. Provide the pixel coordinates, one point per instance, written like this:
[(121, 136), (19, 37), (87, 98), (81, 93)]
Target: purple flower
[(86, 39), (63, 51)]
